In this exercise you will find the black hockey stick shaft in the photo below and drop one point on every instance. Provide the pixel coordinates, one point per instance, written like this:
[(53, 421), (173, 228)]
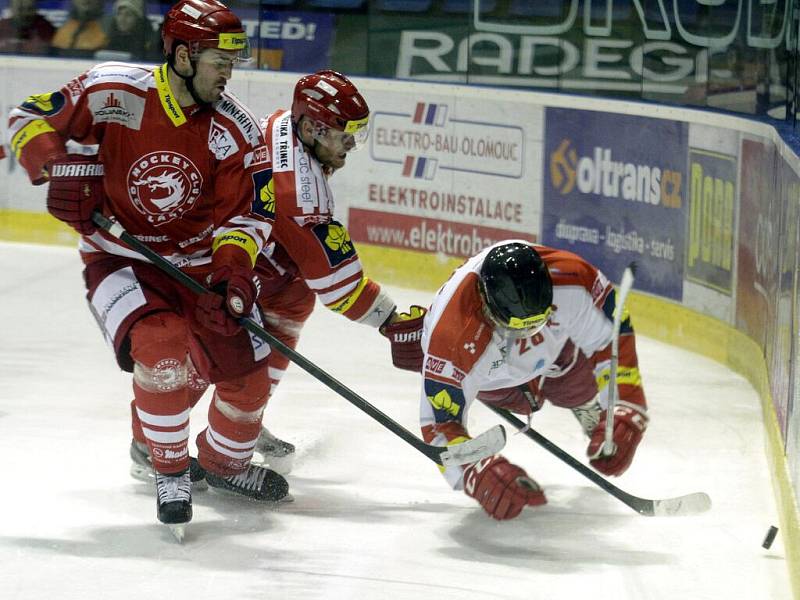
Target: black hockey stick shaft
[(432, 452), (643, 506)]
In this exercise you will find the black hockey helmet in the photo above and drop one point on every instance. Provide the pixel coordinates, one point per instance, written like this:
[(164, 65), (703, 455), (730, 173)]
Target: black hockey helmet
[(516, 288)]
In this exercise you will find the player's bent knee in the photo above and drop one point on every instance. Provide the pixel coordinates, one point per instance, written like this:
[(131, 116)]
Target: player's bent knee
[(159, 352)]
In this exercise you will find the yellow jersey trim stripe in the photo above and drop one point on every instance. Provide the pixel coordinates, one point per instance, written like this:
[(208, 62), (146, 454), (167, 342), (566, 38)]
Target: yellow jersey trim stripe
[(27, 133), (168, 101), (239, 239), (343, 305)]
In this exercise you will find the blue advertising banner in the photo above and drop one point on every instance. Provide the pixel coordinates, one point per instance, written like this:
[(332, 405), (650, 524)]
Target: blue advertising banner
[(289, 40), (614, 192)]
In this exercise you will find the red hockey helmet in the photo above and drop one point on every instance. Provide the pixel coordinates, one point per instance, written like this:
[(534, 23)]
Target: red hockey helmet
[(204, 24), (332, 101)]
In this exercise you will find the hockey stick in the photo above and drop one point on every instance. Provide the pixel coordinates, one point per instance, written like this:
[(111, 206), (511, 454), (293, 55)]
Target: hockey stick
[(488, 443), (624, 289), (690, 504)]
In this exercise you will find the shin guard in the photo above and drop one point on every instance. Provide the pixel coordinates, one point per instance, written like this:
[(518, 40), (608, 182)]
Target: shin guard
[(159, 350), (226, 446)]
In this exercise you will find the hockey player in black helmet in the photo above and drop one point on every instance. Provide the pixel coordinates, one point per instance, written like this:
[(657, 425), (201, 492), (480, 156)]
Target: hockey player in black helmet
[(514, 326)]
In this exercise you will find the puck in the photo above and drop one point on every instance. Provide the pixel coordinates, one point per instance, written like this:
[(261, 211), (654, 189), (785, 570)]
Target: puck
[(770, 537)]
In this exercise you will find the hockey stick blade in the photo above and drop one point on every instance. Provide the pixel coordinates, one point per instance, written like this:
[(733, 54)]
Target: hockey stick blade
[(486, 444), (690, 504), (475, 449)]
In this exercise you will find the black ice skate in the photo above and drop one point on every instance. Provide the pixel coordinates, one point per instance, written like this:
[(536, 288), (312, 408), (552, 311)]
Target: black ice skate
[(174, 501), (274, 453), (256, 482), (142, 467)]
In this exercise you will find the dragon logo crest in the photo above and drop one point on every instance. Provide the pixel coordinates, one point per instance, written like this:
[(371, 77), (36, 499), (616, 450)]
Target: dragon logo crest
[(164, 185)]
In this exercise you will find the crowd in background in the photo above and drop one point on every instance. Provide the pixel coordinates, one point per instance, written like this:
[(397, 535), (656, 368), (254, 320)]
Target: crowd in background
[(124, 33)]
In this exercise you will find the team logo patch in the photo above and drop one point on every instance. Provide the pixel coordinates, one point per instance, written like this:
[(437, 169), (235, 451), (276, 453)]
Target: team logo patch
[(264, 200), (168, 375), (221, 142), (282, 150), (258, 157), (447, 400), (335, 240), (117, 106), (75, 88), (164, 185), (45, 104)]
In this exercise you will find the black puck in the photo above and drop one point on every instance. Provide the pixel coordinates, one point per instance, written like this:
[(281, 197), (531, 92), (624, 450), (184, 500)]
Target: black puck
[(770, 537)]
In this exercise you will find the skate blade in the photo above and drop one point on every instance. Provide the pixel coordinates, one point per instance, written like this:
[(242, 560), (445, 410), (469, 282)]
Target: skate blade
[(178, 531), (142, 473), (280, 464), (271, 503)]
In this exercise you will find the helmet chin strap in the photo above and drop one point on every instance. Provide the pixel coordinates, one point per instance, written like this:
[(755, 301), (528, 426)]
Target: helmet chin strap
[(188, 79)]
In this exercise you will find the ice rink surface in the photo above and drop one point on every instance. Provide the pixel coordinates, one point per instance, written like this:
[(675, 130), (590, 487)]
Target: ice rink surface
[(372, 518)]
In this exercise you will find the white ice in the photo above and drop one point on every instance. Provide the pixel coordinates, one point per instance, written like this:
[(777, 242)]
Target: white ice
[(372, 518)]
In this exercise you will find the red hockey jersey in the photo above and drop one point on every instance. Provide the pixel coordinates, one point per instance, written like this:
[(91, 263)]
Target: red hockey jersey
[(176, 178), (307, 238)]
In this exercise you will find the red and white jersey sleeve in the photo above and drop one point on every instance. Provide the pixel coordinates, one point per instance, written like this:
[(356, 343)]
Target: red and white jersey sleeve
[(318, 246), (176, 178), (464, 354)]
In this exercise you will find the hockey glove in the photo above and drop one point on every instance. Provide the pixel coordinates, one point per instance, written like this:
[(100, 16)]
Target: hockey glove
[(233, 289), (501, 488), (630, 421), (520, 399), (405, 336), (75, 191)]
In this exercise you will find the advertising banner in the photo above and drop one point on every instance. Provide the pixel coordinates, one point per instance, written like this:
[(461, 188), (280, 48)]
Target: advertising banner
[(445, 175), (759, 213), (290, 41), (712, 211), (614, 192), (678, 50), (782, 326)]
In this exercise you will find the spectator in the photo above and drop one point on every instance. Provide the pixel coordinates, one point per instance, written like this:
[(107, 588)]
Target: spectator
[(25, 31), (130, 31), (82, 33)]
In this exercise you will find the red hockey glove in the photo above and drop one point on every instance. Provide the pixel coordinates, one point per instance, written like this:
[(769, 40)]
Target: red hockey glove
[(405, 336), (75, 191), (521, 399), (233, 289), (630, 421), (502, 489)]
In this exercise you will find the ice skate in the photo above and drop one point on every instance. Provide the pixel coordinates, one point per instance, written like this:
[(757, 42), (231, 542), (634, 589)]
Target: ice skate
[(588, 415), (174, 501), (274, 453), (142, 467), (258, 483)]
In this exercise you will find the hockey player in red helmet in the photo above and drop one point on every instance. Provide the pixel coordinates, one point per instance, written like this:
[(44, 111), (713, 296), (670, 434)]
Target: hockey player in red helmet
[(172, 168), (311, 254)]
